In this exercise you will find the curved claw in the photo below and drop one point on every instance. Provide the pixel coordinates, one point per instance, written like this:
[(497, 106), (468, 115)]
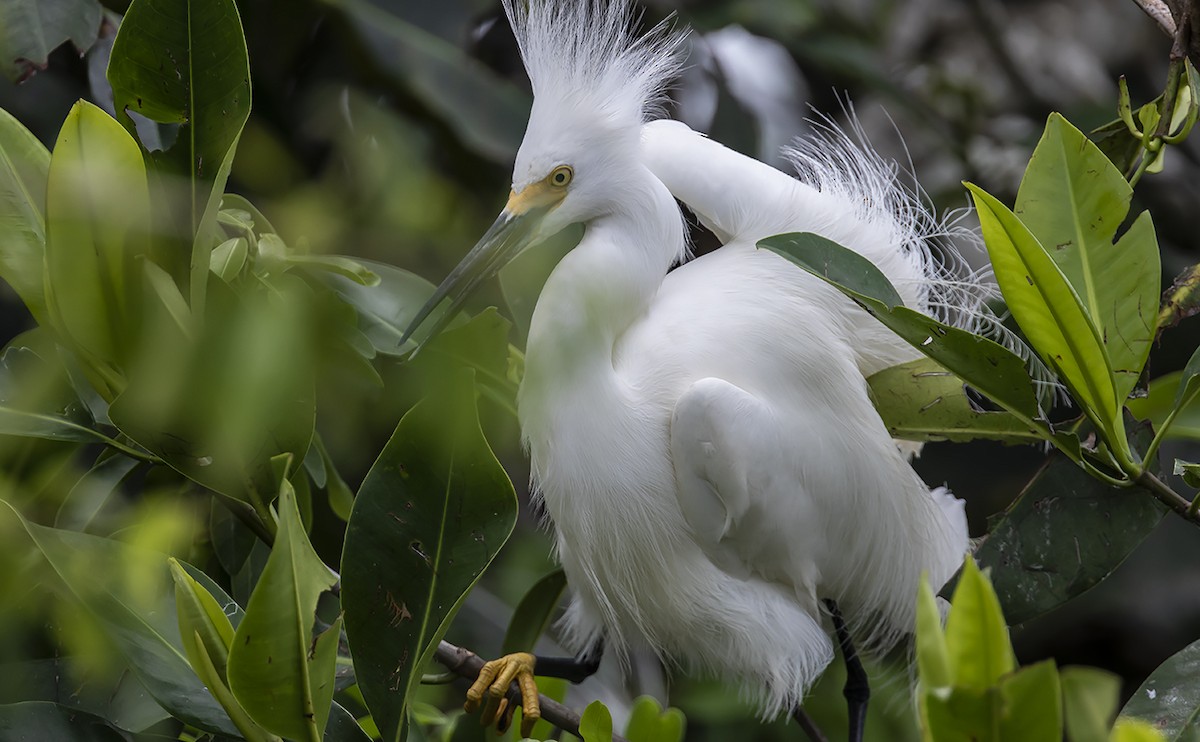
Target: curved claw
[(495, 678)]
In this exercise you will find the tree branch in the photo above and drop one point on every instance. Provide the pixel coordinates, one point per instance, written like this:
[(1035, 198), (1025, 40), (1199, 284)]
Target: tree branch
[(466, 664), (1167, 496), (1161, 14)]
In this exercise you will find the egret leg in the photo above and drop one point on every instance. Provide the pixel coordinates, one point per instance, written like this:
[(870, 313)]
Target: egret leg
[(857, 690), (491, 687), (808, 725)]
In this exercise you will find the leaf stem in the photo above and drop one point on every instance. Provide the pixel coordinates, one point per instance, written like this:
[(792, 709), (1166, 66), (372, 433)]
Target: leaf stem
[(1169, 497), (1153, 143)]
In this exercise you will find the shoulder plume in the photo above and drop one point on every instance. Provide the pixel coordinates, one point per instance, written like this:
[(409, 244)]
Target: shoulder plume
[(588, 52)]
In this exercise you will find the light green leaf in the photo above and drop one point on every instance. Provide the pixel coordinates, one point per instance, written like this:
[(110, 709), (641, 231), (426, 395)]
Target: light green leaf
[(596, 723), (1135, 730), (1170, 697), (1032, 704), (97, 222), (351, 268), (31, 29), (384, 310), (1073, 199), (933, 656), (1160, 400), (922, 401), (198, 613), (1090, 698), (135, 608), (271, 672), (24, 167), (985, 365), (976, 635), (430, 516), (228, 258), (1050, 313), (1189, 471), (184, 62)]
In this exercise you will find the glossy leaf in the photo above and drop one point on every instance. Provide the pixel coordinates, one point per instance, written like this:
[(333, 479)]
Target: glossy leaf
[(1073, 199), (384, 310), (31, 29), (42, 720), (485, 110), (987, 366), (533, 613), (1090, 700), (184, 62), (24, 167), (120, 698), (89, 495), (977, 639), (1032, 701), (1049, 312), (430, 516), (922, 401), (1170, 697), (271, 672), (1034, 569), (97, 222), (137, 615), (595, 724)]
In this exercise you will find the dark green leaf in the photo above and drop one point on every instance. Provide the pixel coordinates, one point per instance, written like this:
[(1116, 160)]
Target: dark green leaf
[(987, 366), (136, 610), (41, 720), (1170, 697), (1073, 199), (922, 401), (35, 399), (24, 166), (533, 613), (430, 516), (97, 222), (184, 62), (485, 110), (31, 29), (271, 672), (384, 310), (92, 491), (120, 699), (341, 498), (480, 344), (980, 651), (1063, 534), (1049, 312), (1089, 701)]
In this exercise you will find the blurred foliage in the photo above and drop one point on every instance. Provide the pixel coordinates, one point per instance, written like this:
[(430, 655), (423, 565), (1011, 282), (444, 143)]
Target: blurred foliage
[(193, 393)]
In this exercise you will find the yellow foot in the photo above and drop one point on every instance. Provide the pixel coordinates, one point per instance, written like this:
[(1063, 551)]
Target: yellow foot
[(495, 678)]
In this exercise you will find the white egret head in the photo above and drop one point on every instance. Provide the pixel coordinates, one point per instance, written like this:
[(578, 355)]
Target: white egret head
[(595, 82)]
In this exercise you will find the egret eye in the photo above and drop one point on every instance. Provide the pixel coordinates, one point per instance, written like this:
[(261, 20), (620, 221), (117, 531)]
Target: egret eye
[(561, 176)]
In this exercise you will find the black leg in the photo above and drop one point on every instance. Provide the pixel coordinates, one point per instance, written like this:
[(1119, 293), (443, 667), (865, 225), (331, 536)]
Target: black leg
[(575, 669), (808, 725), (857, 690)]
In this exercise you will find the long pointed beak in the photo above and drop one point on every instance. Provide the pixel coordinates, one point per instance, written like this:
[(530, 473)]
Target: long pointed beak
[(511, 233)]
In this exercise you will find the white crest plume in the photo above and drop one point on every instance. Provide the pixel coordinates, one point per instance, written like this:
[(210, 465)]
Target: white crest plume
[(586, 53)]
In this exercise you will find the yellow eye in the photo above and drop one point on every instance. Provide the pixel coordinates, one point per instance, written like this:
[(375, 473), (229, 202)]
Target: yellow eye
[(561, 176)]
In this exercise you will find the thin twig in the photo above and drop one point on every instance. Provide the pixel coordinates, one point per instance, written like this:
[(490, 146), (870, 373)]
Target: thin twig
[(1167, 496), (466, 664)]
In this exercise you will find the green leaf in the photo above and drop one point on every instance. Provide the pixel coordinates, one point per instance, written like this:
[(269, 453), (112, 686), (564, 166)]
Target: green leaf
[(271, 672), (1189, 471), (1134, 730), (24, 167), (35, 399), (135, 608), (97, 222), (41, 720), (933, 655), (922, 401), (480, 344), (1073, 199), (1159, 403), (596, 723), (649, 723), (219, 407), (341, 497), (985, 365), (962, 715), (31, 29), (1170, 697), (1033, 567), (1090, 701), (1032, 704), (88, 496), (198, 613), (1188, 381), (1050, 313), (351, 268), (116, 697), (184, 62), (976, 636), (485, 110), (430, 516), (533, 613), (228, 258), (384, 310)]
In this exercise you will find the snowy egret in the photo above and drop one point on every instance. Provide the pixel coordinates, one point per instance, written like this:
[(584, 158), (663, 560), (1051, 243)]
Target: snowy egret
[(719, 482)]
